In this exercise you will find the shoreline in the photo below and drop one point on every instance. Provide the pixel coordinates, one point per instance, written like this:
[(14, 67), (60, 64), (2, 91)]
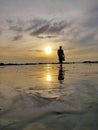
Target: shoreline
[(42, 63)]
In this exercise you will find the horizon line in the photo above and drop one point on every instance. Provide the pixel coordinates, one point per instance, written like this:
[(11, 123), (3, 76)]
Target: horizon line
[(39, 63)]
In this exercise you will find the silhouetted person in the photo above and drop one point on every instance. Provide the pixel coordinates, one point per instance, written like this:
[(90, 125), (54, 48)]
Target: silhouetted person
[(61, 75), (61, 56)]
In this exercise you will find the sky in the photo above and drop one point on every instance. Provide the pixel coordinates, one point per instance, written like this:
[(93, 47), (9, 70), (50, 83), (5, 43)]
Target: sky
[(28, 26)]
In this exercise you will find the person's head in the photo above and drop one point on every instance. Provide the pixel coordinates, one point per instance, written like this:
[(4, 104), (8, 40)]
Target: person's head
[(60, 47)]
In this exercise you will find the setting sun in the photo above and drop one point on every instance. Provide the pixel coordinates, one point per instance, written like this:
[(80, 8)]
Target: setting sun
[(48, 50)]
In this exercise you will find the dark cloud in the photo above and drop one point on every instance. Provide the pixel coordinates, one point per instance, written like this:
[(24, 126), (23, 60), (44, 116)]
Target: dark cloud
[(52, 29), (9, 21), (18, 37), (44, 37), (29, 28), (39, 21), (41, 37), (37, 50), (36, 23), (50, 36), (48, 27), (40, 30), (16, 28), (56, 28)]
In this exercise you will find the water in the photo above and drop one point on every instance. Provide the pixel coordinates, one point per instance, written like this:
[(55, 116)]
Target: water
[(46, 97)]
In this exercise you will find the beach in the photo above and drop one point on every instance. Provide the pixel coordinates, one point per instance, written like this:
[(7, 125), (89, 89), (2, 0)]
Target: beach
[(48, 97)]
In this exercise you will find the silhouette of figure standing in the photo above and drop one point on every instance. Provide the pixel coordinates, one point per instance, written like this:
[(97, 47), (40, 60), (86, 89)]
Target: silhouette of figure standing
[(61, 56)]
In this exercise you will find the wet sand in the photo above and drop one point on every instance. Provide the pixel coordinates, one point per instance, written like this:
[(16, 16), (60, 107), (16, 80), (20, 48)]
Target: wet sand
[(47, 97)]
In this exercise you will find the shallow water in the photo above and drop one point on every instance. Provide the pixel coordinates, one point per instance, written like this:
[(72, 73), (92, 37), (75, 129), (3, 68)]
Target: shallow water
[(47, 97)]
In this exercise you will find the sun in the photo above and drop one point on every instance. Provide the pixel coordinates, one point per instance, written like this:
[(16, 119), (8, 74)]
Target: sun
[(48, 50)]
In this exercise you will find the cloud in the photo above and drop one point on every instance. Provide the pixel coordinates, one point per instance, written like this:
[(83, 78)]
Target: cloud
[(87, 39), (35, 23), (84, 29), (1, 30), (91, 18), (78, 30), (41, 37), (9, 21), (56, 28), (46, 36), (16, 28), (40, 30), (48, 27), (89, 24), (18, 37), (37, 50)]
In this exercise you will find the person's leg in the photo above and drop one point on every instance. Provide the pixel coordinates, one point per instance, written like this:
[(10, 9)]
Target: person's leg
[(60, 65), (60, 60)]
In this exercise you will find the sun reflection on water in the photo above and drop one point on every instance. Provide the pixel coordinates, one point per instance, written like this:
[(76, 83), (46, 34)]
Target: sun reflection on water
[(48, 77)]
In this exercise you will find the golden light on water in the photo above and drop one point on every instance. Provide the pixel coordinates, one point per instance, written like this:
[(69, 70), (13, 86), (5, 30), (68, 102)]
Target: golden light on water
[(48, 77), (48, 50)]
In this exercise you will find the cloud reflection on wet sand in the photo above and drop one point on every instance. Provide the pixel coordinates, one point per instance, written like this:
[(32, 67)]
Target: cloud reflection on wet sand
[(44, 103)]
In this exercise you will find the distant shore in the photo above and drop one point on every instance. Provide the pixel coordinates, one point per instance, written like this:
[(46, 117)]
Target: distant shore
[(41, 63)]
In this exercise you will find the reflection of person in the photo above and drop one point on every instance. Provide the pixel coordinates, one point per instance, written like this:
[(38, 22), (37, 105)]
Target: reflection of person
[(61, 56), (61, 75)]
